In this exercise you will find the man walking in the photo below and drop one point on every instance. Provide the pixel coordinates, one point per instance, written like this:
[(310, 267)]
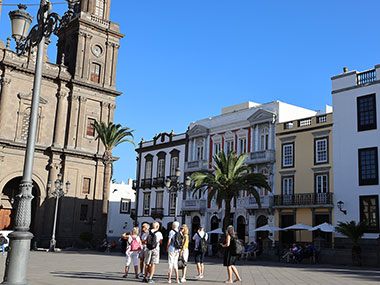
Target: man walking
[(200, 249), (175, 243), (152, 254)]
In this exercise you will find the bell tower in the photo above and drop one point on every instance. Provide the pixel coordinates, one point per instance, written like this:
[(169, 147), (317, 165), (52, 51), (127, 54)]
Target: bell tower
[(89, 46)]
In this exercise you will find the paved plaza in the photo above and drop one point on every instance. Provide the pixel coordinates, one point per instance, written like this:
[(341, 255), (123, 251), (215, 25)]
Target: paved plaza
[(99, 268)]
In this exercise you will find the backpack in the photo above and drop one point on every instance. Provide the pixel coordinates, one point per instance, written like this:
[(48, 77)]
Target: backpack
[(203, 247), (151, 241), (135, 245), (236, 247), (177, 240)]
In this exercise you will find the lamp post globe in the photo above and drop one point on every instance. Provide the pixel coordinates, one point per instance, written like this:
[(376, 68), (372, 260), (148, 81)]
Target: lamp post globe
[(20, 21)]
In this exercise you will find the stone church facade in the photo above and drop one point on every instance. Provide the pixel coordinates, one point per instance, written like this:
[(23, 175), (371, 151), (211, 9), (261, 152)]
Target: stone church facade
[(76, 91)]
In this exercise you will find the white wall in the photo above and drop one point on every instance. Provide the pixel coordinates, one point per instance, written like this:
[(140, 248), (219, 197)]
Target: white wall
[(118, 223), (346, 142)]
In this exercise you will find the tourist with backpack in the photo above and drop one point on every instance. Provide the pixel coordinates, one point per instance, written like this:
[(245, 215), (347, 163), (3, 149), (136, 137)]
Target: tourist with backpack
[(143, 236), (132, 253), (233, 249), (175, 244), (152, 253), (200, 250)]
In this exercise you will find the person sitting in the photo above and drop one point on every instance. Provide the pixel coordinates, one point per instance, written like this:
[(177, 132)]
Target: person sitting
[(252, 249), (291, 253)]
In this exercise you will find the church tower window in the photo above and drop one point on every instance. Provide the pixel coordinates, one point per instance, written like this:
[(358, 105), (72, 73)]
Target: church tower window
[(95, 72)]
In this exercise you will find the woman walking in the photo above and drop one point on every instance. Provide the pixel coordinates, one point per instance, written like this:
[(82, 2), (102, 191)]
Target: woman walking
[(185, 250), (229, 257), (132, 252)]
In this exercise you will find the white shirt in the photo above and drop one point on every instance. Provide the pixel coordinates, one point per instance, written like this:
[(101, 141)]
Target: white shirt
[(197, 238), (159, 237)]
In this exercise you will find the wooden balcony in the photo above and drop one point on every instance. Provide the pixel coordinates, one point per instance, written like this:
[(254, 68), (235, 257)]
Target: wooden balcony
[(308, 200)]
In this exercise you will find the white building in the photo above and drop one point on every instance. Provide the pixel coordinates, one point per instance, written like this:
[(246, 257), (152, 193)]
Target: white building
[(356, 140), (121, 202), (245, 128), (157, 160)]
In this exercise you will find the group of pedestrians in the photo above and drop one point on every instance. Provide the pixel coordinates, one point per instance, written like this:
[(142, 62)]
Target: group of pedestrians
[(143, 249)]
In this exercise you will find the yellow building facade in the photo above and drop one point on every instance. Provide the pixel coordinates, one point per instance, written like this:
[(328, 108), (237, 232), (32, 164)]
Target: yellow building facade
[(304, 178)]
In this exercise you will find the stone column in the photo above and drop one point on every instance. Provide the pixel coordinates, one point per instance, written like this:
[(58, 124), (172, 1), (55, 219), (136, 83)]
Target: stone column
[(5, 97), (252, 227), (73, 121), (87, 40), (112, 112), (60, 122), (104, 118), (256, 146), (82, 121), (114, 63), (271, 136)]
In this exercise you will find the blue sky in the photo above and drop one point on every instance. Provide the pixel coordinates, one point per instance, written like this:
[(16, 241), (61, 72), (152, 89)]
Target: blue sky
[(183, 60)]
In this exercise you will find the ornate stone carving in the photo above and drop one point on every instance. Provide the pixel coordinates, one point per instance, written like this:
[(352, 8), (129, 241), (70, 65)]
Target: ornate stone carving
[(82, 99), (105, 105), (5, 81), (62, 94), (113, 106), (28, 97), (74, 97), (24, 209)]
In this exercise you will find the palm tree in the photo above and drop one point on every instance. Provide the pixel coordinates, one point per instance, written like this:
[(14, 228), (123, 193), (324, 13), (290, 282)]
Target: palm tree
[(354, 231), (229, 176), (111, 136)]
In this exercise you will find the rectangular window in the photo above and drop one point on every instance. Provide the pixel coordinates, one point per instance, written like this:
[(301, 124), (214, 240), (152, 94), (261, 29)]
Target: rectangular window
[(217, 148), (161, 168), (95, 72), (83, 212), (148, 169), (287, 190), (99, 8), (146, 205), (200, 152), (366, 112), (173, 165), (288, 155), (321, 151), (322, 188), (242, 145), (172, 202), (159, 199), (90, 131), (86, 185), (230, 147), (369, 212), (368, 166), (125, 206)]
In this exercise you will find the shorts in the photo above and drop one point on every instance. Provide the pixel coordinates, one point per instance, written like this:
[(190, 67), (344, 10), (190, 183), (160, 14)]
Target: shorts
[(199, 256), (152, 256), (185, 255), (132, 255), (173, 259)]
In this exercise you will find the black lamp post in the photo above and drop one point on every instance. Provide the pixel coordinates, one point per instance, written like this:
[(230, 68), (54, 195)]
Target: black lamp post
[(47, 24), (340, 205), (176, 186)]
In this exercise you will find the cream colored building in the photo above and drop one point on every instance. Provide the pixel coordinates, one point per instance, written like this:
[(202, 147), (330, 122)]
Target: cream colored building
[(304, 177), (76, 91)]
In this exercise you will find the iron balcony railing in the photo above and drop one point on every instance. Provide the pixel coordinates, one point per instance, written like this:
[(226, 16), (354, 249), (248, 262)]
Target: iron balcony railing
[(305, 199), (158, 182), (146, 183), (366, 77), (157, 213)]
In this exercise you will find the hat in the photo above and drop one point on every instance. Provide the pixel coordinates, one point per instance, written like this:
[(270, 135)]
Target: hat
[(201, 227)]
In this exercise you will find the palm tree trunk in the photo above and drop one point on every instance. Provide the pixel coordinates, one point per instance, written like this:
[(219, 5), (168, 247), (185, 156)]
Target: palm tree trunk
[(107, 178), (227, 214)]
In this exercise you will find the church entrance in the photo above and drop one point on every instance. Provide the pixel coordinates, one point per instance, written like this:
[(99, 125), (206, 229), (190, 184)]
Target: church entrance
[(9, 203)]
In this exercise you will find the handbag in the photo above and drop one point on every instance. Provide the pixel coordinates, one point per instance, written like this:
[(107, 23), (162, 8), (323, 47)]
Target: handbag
[(181, 262)]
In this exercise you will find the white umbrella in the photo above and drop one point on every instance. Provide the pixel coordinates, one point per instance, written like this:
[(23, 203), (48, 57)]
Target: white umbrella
[(267, 228), (298, 227), (217, 231), (325, 227)]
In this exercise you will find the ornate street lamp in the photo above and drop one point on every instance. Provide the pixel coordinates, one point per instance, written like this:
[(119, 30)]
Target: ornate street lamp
[(58, 192), (47, 23), (340, 205), (177, 187)]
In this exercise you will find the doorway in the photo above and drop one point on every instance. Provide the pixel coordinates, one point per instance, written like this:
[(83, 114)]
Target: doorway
[(240, 228), (287, 238), (261, 221)]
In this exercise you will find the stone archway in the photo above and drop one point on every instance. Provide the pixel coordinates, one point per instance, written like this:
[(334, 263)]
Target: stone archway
[(240, 227), (9, 204), (196, 222)]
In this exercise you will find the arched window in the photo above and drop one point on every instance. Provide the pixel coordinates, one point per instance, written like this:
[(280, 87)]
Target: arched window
[(95, 72)]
